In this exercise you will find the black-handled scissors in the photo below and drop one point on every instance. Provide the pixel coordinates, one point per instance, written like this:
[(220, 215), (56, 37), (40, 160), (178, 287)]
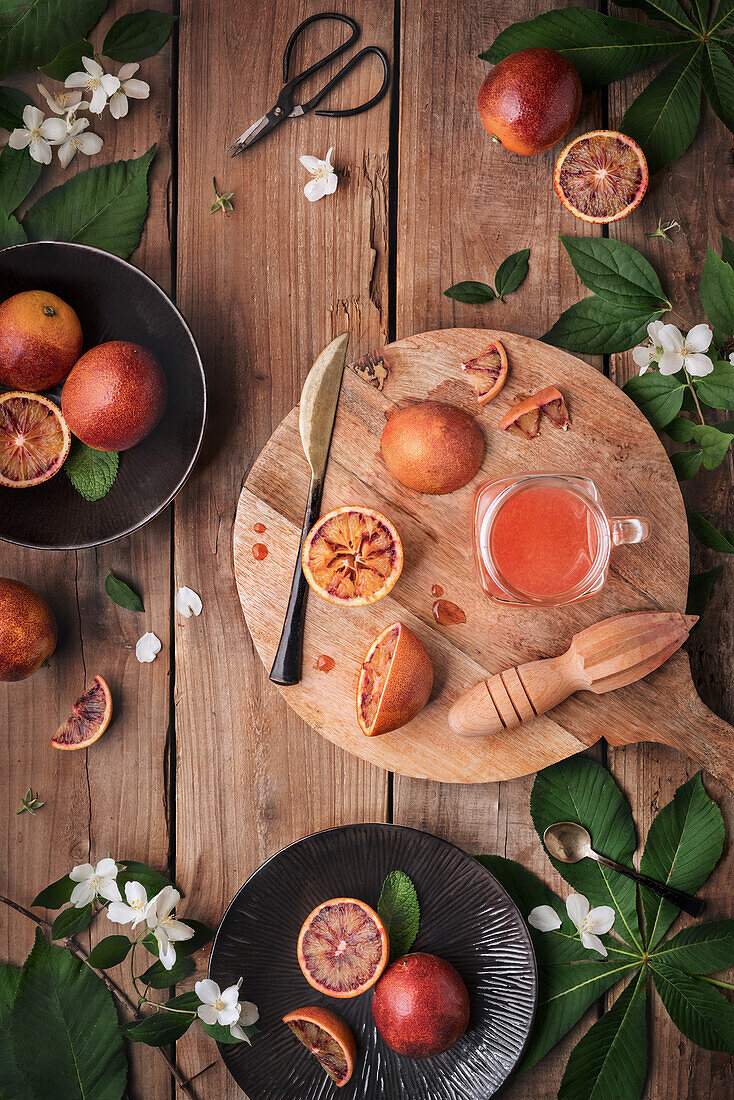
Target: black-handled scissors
[(286, 108)]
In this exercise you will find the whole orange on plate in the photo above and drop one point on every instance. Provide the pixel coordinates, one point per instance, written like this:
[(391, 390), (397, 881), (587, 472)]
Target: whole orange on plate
[(395, 681), (28, 631), (352, 556), (601, 176), (328, 1038), (343, 947), (40, 340), (34, 439), (89, 718), (530, 100), (432, 447), (421, 1006), (487, 371)]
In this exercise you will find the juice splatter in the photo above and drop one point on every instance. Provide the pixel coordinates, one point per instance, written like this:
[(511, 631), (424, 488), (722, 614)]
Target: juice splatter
[(259, 528), (437, 590), (324, 663), (448, 614), (259, 551)]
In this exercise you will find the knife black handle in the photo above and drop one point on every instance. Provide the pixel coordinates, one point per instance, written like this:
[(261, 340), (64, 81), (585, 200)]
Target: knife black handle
[(286, 668)]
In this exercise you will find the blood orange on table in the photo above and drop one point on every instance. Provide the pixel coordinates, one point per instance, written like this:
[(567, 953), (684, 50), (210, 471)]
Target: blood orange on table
[(601, 176), (90, 716), (34, 439), (328, 1038), (395, 681), (352, 556), (487, 371), (343, 947)]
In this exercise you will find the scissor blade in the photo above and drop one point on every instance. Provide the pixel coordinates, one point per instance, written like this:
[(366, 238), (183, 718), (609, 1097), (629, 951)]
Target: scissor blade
[(252, 133)]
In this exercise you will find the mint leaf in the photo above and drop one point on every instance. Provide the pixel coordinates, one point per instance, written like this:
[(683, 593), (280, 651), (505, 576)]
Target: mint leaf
[(707, 534), (717, 77), (104, 207), (70, 921), (599, 328), (717, 292), (664, 118), (138, 35), (55, 895), (616, 272), (511, 272), (92, 473), (109, 952), (474, 294), (717, 389), (122, 594), (699, 589), (701, 1012), (32, 33), (714, 442), (686, 463), (68, 60), (400, 912), (658, 396), (701, 949)]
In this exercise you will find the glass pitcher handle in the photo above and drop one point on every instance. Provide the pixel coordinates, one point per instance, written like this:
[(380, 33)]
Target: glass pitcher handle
[(628, 529)]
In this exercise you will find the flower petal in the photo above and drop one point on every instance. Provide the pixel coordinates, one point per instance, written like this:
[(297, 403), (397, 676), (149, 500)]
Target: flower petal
[(331, 182), (89, 144), (93, 67), (315, 189), (164, 901), (653, 331), (249, 1013), (207, 991), (147, 648), (166, 952), (237, 1033), (32, 117), (106, 866), (19, 139), (670, 362), (207, 1014), (671, 338), (127, 70), (177, 930), (137, 89), (699, 365), (593, 943), (135, 891), (230, 1014), (82, 894), (188, 602), (67, 152), (40, 151), (601, 919), (544, 917), (110, 891), (118, 105), (81, 872), (98, 102), (54, 129), (311, 164), (120, 913), (699, 338), (577, 906), (109, 83), (641, 355)]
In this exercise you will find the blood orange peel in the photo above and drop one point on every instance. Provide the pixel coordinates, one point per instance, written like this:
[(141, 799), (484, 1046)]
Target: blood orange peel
[(328, 1038), (352, 556), (34, 439), (487, 371), (601, 176), (524, 416), (395, 681), (343, 947), (89, 718)]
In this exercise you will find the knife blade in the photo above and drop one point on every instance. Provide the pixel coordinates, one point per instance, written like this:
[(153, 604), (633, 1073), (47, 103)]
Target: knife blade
[(317, 413)]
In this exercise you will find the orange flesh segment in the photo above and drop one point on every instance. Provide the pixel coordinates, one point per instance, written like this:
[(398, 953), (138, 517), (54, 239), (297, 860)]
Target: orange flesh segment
[(324, 1047), (375, 672), (342, 947), (601, 175), (32, 439), (89, 718), (485, 370), (352, 555)]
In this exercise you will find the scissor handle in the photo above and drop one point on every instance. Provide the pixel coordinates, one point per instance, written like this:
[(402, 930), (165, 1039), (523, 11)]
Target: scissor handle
[(324, 60), (342, 73)]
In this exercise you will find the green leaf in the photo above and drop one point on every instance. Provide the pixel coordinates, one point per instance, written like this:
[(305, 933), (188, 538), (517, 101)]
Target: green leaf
[(11, 232), (669, 10), (701, 1012), (724, 17), (223, 1035), (69, 60), (202, 935), (707, 534), (109, 952), (680, 429), (658, 396), (398, 906), (189, 1002), (104, 207), (599, 328), (686, 463), (664, 118), (11, 1082), (123, 595), (714, 442), (70, 921), (717, 389), (55, 895), (616, 272), (33, 31), (699, 590), (12, 103), (717, 77), (92, 473), (717, 291), (160, 1029), (474, 294), (18, 173), (700, 949), (157, 977), (138, 35), (511, 272), (583, 791), (727, 250), (64, 1028), (683, 846), (152, 881), (601, 47), (611, 1058)]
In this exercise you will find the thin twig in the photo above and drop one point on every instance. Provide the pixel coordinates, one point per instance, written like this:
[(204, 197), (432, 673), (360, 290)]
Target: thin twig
[(692, 388)]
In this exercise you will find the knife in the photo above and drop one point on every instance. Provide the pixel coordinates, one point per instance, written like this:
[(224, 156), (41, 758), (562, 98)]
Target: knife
[(319, 401)]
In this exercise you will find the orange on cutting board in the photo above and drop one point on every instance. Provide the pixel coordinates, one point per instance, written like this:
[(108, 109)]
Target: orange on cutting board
[(352, 556), (395, 681), (343, 947), (328, 1038)]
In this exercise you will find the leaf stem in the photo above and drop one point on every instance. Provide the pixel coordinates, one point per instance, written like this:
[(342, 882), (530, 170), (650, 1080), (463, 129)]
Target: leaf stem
[(716, 981), (695, 395), (683, 320)]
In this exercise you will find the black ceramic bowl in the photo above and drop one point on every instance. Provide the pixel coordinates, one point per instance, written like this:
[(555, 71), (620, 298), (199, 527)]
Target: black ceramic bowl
[(114, 301), (467, 918)]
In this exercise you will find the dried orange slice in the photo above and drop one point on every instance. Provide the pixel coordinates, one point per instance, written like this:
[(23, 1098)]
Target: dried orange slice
[(524, 416), (328, 1038), (395, 681), (90, 716), (352, 556), (34, 439), (343, 947), (601, 176), (488, 371)]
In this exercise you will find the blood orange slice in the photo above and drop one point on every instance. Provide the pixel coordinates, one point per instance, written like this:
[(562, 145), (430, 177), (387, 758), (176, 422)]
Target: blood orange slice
[(34, 439), (395, 681), (352, 556), (90, 716), (328, 1038), (601, 176), (524, 416), (343, 947), (487, 372)]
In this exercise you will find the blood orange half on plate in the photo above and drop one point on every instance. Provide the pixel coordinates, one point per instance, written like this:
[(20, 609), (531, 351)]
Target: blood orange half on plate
[(601, 176), (343, 947), (328, 1038)]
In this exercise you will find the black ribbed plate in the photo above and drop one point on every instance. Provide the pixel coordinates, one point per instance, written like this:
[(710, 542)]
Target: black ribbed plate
[(466, 918)]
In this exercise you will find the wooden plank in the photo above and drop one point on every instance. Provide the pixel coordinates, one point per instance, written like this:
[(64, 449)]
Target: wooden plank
[(264, 289), (112, 797)]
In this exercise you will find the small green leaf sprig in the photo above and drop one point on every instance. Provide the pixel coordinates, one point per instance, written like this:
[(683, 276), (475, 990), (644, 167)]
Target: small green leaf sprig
[(122, 594), (510, 274), (400, 912), (30, 803), (221, 202)]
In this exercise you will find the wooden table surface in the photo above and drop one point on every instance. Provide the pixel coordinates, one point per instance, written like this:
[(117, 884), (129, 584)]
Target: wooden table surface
[(205, 772)]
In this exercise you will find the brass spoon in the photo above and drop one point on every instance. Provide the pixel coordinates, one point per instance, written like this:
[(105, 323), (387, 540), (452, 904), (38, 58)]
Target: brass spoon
[(569, 843)]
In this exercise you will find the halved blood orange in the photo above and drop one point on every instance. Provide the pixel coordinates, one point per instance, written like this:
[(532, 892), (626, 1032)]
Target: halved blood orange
[(487, 371), (395, 681), (343, 947), (34, 439), (352, 556), (328, 1038), (90, 716), (524, 416), (601, 176)]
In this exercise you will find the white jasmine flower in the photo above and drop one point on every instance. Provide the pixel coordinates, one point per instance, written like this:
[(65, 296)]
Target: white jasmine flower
[(164, 926), (218, 1006), (645, 354), (324, 177), (37, 134), (137, 903), (544, 918), (63, 102), (249, 1015), (147, 648), (96, 81), (94, 881), (76, 141), (590, 921), (129, 89), (188, 602), (686, 353)]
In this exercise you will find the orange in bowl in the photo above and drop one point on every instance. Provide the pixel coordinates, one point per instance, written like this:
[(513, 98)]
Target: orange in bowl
[(343, 947), (352, 556), (395, 681), (34, 439), (328, 1038)]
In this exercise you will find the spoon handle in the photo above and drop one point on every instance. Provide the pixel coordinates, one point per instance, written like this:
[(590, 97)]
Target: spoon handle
[(686, 902)]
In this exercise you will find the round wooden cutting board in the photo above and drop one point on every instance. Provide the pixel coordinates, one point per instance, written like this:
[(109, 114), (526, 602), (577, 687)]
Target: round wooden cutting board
[(609, 440)]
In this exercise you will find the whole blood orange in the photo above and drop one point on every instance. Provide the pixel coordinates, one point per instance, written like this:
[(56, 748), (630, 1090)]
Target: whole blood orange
[(432, 447), (90, 716), (601, 176), (395, 681), (352, 556), (28, 631), (343, 947), (530, 100), (40, 340), (34, 439), (487, 371), (328, 1038), (115, 396), (421, 1006)]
